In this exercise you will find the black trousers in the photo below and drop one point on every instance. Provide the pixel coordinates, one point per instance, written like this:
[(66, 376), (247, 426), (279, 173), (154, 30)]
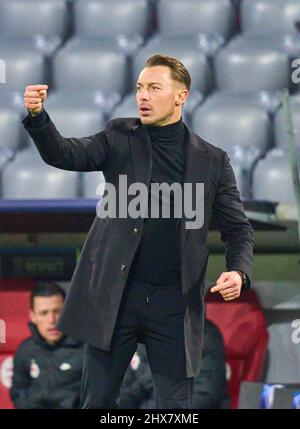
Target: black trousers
[(150, 314)]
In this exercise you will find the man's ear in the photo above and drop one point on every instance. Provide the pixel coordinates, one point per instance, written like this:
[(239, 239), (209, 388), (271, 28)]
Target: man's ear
[(182, 97), (32, 316), (185, 93)]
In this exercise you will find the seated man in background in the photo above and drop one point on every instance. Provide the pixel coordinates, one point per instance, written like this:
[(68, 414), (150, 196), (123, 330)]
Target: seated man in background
[(210, 386), (47, 365)]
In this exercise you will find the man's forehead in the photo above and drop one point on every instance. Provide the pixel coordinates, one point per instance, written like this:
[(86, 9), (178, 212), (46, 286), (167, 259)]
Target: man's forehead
[(155, 74), (44, 303), (150, 82)]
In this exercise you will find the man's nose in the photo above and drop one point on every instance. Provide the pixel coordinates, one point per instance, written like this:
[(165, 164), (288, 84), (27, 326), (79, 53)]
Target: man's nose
[(52, 318), (144, 94)]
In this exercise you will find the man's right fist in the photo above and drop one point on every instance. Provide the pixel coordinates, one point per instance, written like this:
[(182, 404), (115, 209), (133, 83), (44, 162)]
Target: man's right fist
[(34, 97)]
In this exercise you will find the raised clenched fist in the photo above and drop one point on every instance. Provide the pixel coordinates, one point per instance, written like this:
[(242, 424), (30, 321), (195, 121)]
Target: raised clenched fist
[(34, 97)]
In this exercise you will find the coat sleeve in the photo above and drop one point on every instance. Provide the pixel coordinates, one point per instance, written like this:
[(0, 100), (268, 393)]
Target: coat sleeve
[(23, 393), (74, 154), (236, 231)]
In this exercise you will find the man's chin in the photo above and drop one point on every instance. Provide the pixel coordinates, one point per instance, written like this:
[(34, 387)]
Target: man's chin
[(54, 337), (147, 120), (53, 340)]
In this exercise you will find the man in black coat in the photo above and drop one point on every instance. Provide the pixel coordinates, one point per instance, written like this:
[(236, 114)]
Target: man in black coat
[(141, 278), (48, 365)]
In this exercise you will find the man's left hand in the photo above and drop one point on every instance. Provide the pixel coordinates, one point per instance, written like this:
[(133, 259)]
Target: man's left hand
[(229, 284)]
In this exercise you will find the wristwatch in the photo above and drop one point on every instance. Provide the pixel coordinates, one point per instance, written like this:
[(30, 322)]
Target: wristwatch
[(243, 277)]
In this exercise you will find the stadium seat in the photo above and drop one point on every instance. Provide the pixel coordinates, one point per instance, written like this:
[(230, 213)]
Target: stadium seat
[(272, 177), (112, 18), (284, 350), (91, 182), (74, 114), (90, 65), (282, 42), (27, 176), (242, 160), (14, 310), (252, 64), (18, 21), (13, 100), (126, 109), (245, 335), (225, 119), (287, 43), (240, 125), (11, 128), (23, 65), (192, 17), (280, 130), (186, 50), (103, 102), (269, 16)]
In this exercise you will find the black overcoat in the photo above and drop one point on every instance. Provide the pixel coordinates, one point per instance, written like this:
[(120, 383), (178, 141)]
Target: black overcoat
[(96, 288)]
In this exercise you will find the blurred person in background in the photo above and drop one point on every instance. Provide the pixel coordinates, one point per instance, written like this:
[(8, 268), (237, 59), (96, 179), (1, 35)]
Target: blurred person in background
[(48, 365)]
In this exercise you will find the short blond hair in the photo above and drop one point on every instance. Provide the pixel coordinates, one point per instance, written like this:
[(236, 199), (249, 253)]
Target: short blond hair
[(178, 70)]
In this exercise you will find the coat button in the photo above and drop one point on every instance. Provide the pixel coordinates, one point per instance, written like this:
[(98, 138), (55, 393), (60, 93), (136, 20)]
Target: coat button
[(123, 267), (135, 231)]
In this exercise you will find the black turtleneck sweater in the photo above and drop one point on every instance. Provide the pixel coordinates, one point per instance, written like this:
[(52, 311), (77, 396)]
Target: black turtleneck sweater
[(158, 256)]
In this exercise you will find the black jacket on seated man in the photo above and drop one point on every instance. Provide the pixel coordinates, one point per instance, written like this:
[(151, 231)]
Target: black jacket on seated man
[(210, 386), (47, 376)]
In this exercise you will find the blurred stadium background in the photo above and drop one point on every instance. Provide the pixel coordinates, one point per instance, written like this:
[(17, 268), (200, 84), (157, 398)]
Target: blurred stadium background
[(241, 55)]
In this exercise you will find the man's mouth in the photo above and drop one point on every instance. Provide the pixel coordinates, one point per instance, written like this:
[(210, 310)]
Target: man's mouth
[(145, 110), (53, 331)]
